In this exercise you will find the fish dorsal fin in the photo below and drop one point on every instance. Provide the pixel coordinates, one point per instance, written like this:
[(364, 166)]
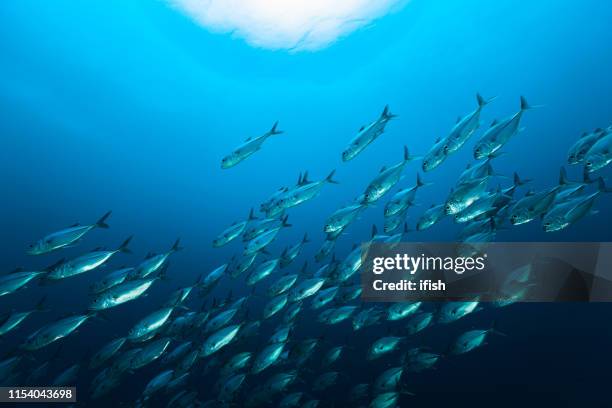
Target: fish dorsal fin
[(249, 139), (584, 134), (469, 166), (529, 193), (458, 119), (361, 128), (150, 255), (495, 122), (432, 206), (305, 178), (76, 224), (383, 168), (437, 140)]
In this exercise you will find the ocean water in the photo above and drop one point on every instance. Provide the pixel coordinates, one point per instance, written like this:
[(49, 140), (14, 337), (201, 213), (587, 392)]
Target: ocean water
[(130, 106)]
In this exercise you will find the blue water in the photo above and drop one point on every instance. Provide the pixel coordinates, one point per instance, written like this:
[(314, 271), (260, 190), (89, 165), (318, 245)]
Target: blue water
[(130, 106)]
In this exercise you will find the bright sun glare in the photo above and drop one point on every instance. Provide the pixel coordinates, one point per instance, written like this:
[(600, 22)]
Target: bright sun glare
[(295, 25)]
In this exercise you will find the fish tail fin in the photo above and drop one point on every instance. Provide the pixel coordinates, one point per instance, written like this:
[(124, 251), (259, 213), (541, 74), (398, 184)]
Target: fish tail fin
[(176, 246), (563, 176), (386, 113), (163, 273), (406, 229), (586, 177), (374, 231), (101, 223), (274, 131), (493, 329), (408, 157), (305, 240), (124, 246), (482, 102), (284, 221), (252, 215), (330, 177), (525, 106), (601, 186), (420, 182), (520, 182)]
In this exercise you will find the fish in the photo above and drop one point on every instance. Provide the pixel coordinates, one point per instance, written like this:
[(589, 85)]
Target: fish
[(383, 346), (177, 353), (157, 383), (452, 311), (419, 322), (11, 320), (532, 205), (210, 280), (323, 297), (111, 279), (305, 289), (17, 279), (325, 250), (109, 350), (367, 134), (465, 128), (332, 355), (275, 305), (267, 357), (149, 353), (67, 377), (579, 150), (219, 339), (471, 340), (569, 212), (340, 219), (385, 180), (122, 293), (325, 380), (389, 380), (85, 263), (283, 284), (290, 253), (500, 133), (431, 217), (249, 147), (465, 195), (237, 363), (150, 324), (435, 156), (403, 199), (367, 317), (66, 237), (337, 315), (600, 154), (233, 231), (305, 192), (221, 319), (401, 310), (54, 331), (259, 243), (262, 271), (153, 263)]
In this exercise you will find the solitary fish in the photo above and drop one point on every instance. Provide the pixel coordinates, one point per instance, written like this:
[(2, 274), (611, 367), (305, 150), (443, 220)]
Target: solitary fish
[(250, 146), (367, 134)]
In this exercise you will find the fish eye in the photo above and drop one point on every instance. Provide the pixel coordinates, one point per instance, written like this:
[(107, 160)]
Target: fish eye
[(589, 164)]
